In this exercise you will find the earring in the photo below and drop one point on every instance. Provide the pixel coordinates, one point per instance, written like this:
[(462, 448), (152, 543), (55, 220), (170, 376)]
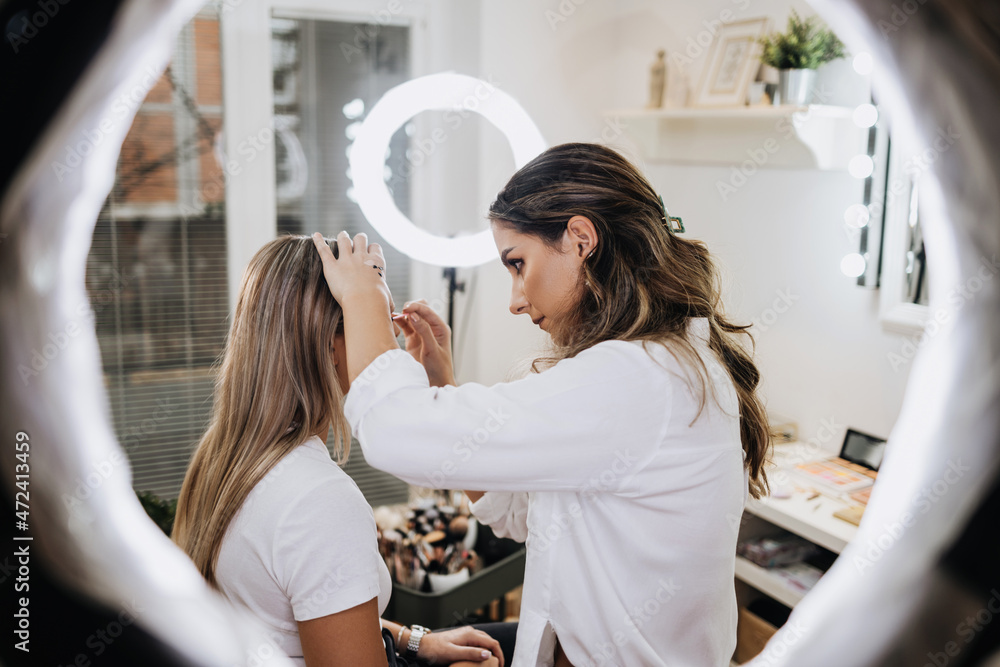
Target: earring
[(591, 254)]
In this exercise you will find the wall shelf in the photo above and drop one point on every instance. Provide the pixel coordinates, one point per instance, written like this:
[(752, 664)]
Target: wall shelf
[(767, 582), (816, 136)]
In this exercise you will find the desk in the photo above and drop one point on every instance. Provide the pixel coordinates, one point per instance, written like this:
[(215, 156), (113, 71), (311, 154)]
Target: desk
[(811, 519), (804, 513)]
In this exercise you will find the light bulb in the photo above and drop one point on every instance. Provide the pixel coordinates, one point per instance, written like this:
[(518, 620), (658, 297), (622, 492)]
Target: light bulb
[(856, 216), (354, 108), (446, 91), (861, 166), (865, 115), (853, 265)]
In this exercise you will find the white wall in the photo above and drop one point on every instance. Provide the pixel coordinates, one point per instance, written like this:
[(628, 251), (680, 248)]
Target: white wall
[(825, 358)]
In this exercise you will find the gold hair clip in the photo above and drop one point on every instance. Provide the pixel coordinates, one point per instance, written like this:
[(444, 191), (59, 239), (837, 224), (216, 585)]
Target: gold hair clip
[(671, 220)]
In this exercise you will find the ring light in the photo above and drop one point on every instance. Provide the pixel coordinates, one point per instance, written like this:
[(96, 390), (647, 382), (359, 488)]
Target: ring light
[(437, 91)]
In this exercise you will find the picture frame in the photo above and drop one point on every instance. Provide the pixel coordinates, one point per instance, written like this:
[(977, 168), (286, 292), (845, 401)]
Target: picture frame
[(732, 64)]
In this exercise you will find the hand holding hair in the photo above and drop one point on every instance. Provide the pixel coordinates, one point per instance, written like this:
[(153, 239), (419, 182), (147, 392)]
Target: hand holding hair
[(356, 278), (358, 268)]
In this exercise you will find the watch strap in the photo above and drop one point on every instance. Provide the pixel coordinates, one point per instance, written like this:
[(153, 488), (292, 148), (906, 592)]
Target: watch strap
[(417, 633)]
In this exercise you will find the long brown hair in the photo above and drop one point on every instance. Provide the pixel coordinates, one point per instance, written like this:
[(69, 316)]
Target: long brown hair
[(642, 282), (277, 386)]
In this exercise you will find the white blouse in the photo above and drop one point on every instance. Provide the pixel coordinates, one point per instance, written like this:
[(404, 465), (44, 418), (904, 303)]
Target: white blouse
[(628, 499)]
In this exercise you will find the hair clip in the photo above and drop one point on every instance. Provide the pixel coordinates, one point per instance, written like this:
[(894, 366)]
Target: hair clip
[(671, 220)]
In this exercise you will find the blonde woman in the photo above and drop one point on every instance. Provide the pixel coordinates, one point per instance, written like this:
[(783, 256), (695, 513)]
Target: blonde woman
[(625, 462), (265, 513)]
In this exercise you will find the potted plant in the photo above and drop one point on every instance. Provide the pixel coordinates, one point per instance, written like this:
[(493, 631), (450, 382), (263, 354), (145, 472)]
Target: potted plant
[(796, 53), (160, 511)]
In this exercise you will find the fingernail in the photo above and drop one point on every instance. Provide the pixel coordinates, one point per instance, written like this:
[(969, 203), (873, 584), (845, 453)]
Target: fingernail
[(486, 654), (414, 317)]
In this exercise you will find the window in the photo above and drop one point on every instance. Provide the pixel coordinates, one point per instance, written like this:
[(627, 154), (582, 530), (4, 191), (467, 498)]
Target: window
[(327, 75), (158, 274)]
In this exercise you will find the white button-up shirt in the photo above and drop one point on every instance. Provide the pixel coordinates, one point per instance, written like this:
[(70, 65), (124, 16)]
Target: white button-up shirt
[(629, 500)]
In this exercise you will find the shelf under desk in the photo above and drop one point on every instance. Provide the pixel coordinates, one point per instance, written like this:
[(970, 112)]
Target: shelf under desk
[(811, 519)]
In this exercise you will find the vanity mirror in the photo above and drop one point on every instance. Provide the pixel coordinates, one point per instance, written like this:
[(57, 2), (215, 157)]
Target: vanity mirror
[(891, 255), (903, 283)]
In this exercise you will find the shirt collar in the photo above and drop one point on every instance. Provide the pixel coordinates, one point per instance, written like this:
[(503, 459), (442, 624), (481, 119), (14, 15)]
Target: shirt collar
[(316, 443)]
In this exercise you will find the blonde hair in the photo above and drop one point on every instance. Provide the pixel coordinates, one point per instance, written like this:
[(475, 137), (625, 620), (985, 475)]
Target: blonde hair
[(277, 386), (642, 283)]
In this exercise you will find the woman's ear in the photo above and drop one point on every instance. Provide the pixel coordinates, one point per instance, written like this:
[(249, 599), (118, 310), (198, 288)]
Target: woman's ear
[(582, 234)]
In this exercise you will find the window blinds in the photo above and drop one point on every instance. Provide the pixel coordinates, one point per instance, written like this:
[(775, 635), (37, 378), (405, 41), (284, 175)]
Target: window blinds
[(157, 274)]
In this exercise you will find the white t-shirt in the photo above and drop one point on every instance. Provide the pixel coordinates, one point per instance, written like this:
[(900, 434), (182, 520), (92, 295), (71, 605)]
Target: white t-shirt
[(629, 504), (303, 545)]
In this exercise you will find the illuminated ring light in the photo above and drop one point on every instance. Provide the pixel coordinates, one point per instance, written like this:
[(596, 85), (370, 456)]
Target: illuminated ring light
[(444, 92)]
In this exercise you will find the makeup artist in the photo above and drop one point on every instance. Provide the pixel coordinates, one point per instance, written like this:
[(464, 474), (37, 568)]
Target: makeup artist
[(622, 459)]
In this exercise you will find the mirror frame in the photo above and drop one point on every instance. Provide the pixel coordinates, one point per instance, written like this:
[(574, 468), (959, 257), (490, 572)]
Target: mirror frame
[(895, 313)]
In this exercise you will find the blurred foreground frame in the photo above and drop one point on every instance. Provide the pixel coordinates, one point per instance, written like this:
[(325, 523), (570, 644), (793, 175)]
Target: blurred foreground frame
[(102, 582)]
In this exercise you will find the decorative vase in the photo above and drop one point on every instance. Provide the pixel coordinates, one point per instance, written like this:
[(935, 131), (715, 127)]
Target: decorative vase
[(795, 86)]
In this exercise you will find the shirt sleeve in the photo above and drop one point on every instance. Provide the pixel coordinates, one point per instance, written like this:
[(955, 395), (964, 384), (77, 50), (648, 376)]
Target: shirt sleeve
[(590, 420), (325, 551), (505, 513)]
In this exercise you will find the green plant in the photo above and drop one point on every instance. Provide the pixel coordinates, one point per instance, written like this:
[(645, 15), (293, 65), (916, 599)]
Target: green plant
[(160, 511), (804, 45)]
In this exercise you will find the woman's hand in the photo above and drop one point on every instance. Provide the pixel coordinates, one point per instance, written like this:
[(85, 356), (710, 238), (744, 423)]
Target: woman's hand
[(356, 277), (464, 644), (357, 270), (428, 339)]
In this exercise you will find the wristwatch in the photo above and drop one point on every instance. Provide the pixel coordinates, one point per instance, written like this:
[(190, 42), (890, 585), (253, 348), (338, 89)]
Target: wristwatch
[(417, 633)]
